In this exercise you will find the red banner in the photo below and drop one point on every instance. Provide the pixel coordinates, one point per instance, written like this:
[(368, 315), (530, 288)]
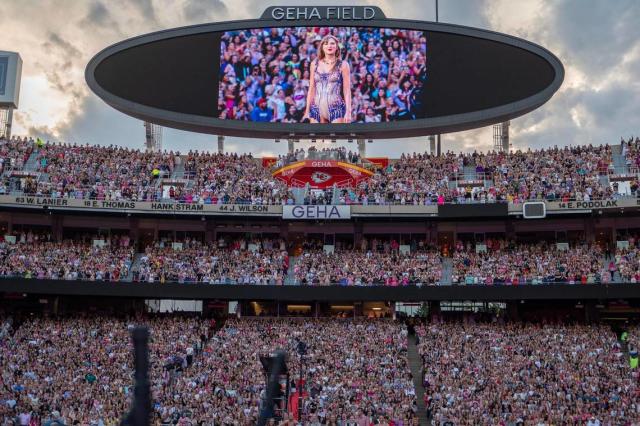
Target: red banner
[(322, 174)]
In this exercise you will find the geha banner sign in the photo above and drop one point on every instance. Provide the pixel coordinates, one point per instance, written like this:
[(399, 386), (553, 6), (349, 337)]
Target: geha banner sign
[(139, 206), (316, 212)]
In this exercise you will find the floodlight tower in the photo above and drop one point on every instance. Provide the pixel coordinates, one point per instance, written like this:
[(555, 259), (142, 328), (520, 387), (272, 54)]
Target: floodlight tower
[(6, 119), (153, 137), (432, 144), (501, 137), (10, 76)]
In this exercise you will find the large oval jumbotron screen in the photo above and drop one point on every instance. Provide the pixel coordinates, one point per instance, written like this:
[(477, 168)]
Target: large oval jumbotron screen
[(388, 78)]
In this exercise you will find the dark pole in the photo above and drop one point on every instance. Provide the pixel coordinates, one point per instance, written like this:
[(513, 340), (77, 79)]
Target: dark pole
[(301, 348), (272, 388), (141, 410)]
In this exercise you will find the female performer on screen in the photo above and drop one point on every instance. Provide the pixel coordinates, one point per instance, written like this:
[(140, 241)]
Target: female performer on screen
[(329, 97)]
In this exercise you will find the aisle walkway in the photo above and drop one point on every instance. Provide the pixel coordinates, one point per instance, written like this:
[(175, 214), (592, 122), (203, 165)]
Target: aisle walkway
[(415, 363), (447, 271), (290, 278)]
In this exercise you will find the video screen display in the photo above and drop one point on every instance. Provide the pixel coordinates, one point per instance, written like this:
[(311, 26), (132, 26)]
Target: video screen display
[(322, 75)]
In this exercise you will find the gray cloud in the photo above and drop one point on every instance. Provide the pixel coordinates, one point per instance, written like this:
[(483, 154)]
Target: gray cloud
[(63, 57), (99, 16), (55, 41), (204, 10), (91, 114), (145, 8), (594, 34)]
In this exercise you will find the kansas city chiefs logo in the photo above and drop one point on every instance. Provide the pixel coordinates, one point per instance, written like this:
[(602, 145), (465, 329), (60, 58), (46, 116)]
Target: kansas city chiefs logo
[(320, 177)]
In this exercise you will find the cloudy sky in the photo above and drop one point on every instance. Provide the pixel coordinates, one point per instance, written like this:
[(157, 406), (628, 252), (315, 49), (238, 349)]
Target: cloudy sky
[(597, 41)]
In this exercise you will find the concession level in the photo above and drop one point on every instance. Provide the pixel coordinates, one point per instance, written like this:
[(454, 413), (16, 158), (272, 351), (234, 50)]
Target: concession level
[(375, 78)]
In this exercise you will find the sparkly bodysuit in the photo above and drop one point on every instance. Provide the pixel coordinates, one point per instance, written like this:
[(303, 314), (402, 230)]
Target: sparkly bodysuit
[(328, 102)]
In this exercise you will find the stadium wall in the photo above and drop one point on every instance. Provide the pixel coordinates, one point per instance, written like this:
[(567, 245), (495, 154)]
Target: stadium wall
[(321, 293)]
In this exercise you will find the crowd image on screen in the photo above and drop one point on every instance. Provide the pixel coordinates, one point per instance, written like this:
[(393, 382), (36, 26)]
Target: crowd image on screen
[(265, 73)]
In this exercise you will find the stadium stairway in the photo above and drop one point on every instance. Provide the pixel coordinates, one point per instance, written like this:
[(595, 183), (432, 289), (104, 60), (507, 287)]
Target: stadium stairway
[(469, 172), (298, 195), (488, 183), (619, 162), (604, 180), (447, 271), (290, 279), (415, 364), (178, 170), (43, 177), (31, 165), (605, 267), (134, 266)]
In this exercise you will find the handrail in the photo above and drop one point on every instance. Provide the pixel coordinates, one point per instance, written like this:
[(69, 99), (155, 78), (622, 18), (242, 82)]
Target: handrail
[(331, 155)]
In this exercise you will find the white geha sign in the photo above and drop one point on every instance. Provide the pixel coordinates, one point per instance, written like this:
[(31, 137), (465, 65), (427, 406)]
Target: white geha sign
[(300, 13), (316, 212)]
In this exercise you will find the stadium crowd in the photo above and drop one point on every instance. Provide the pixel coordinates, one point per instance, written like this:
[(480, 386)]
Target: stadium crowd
[(517, 374), (113, 173), (37, 256), (229, 179), (568, 173), (630, 149), (354, 370), (414, 179), (259, 262), (79, 370), (103, 173), (511, 263), (265, 73), (365, 268), (14, 153), (264, 261), (555, 174), (626, 260)]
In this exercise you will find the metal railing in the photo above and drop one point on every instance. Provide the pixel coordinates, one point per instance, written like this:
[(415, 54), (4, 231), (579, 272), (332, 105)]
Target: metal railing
[(230, 282), (330, 155)]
